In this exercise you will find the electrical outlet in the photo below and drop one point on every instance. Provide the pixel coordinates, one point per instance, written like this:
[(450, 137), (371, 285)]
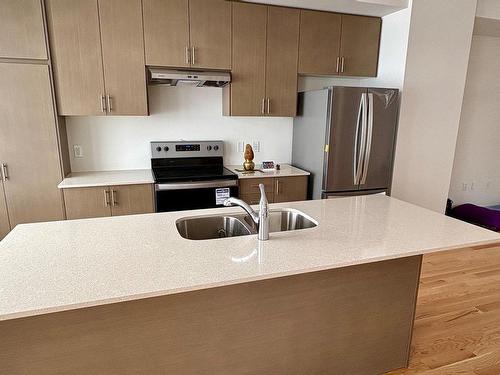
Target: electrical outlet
[(256, 146), (241, 146), (78, 151)]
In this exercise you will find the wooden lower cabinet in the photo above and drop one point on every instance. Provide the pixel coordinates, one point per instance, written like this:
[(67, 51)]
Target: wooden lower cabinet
[(131, 199), (278, 189), (82, 203), (290, 189), (353, 320)]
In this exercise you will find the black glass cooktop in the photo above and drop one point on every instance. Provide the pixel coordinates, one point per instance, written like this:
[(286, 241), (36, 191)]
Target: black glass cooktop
[(190, 169)]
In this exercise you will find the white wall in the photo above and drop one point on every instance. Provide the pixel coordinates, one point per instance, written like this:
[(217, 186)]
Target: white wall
[(176, 113), (476, 169), (436, 66), (488, 8)]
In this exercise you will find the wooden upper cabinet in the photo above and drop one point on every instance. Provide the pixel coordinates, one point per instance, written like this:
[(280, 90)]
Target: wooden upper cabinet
[(319, 42), (210, 33), (76, 51), (182, 33), (360, 45), (123, 56), (4, 216), (166, 32), (281, 61), (22, 34), (246, 94), (98, 53)]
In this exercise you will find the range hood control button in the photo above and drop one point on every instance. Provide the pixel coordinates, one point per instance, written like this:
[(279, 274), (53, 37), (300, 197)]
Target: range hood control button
[(166, 148), (209, 148), (158, 148)]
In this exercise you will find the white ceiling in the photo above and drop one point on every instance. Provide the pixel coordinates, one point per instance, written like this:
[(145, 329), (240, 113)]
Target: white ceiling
[(365, 7)]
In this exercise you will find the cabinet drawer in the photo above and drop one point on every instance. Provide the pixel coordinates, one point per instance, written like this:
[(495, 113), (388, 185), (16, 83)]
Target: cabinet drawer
[(251, 185)]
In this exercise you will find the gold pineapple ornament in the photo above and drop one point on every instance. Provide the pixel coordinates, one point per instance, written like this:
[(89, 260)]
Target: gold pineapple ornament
[(248, 165)]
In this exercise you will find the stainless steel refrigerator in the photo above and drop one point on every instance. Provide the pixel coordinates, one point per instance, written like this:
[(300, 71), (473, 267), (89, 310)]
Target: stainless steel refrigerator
[(345, 137)]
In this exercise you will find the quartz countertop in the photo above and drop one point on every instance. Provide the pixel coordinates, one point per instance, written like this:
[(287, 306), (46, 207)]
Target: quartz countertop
[(57, 266), (286, 170), (107, 178)]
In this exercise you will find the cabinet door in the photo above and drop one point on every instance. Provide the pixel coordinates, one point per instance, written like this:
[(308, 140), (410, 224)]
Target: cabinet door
[(132, 199), (83, 203), (76, 51), (250, 192), (281, 66), (123, 56), (249, 60), (319, 42), (4, 217), (28, 144), (166, 32), (22, 35), (360, 45), (210, 33), (289, 189)]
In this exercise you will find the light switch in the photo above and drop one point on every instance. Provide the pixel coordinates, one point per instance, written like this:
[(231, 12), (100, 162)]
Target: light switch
[(78, 151), (241, 146), (256, 146)]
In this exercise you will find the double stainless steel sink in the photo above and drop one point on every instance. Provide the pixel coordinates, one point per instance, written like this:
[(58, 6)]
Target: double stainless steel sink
[(216, 226)]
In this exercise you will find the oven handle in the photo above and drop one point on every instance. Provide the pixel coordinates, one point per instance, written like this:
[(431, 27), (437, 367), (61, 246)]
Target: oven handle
[(196, 185)]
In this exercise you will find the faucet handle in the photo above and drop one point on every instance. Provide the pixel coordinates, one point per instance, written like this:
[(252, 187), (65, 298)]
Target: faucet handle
[(262, 190)]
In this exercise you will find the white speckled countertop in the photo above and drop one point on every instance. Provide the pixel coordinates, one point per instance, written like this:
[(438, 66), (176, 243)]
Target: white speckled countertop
[(286, 170), (50, 267), (107, 178)]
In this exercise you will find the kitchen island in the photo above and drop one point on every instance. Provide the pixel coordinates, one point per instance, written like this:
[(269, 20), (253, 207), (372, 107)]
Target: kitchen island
[(128, 295)]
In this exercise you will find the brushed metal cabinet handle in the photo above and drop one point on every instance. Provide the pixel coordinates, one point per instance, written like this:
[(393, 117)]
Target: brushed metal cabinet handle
[(338, 65), (188, 55), (106, 198), (268, 106), (192, 55), (114, 200), (5, 172), (342, 64), (277, 187), (109, 101), (103, 103), (263, 108)]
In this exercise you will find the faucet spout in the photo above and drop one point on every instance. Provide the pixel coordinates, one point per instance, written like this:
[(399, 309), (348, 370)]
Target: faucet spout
[(260, 219), (231, 201)]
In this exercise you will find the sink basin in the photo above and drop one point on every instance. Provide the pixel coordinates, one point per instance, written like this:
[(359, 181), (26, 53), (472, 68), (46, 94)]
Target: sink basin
[(285, 220), (211, 227)]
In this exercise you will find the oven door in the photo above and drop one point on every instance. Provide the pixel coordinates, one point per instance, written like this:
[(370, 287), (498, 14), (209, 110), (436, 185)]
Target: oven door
[(178, 196)]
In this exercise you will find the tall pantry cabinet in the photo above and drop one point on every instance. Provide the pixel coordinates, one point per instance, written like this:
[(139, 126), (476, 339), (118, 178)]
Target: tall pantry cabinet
[(30, 163)]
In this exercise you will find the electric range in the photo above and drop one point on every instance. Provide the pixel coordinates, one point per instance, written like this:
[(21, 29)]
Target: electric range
[(191, 175)]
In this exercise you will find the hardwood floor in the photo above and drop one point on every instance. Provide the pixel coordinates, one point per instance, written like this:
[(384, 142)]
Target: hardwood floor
[(457, 326)]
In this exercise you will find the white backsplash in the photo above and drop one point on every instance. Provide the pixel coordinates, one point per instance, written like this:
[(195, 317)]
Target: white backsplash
[(112, 143)]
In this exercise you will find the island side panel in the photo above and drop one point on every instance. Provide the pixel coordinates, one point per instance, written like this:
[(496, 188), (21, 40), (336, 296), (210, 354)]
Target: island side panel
[(353, 320)]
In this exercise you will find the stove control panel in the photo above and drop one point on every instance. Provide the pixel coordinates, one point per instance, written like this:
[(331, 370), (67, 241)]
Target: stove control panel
[(186, 149)]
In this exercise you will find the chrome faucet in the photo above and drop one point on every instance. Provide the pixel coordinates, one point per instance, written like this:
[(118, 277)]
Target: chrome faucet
[(260, 219)]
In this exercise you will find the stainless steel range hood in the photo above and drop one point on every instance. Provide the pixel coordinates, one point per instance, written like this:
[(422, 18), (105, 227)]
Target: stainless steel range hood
[(172, 77)]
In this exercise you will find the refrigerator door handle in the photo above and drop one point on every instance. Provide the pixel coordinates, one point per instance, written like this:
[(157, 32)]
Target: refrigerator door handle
[(369, 139), (360, 124)]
